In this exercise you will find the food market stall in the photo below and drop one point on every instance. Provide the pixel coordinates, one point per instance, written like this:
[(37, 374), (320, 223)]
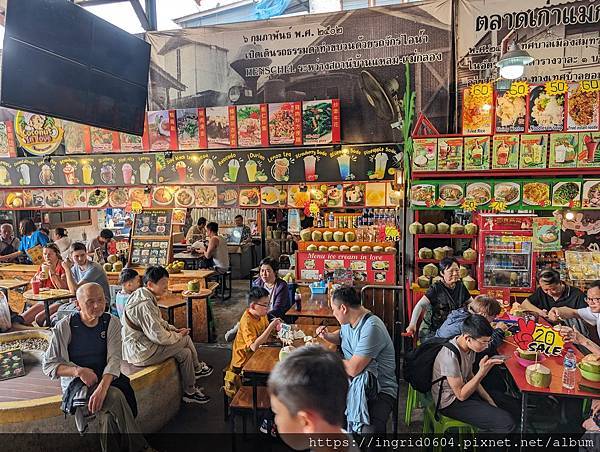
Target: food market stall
[(525, 165)]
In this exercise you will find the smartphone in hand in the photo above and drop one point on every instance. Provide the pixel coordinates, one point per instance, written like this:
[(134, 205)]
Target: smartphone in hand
[(500, 357)]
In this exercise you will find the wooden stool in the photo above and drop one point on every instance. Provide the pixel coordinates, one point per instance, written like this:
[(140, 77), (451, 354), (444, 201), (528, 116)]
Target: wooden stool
[(241, 405), (225, 283), (170, 303)]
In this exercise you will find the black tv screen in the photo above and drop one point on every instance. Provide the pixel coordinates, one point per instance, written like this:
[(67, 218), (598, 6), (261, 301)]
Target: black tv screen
[(63, 61)]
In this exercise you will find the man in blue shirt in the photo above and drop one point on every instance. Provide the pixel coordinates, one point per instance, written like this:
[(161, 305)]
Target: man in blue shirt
[(369, 358), (30, 237)]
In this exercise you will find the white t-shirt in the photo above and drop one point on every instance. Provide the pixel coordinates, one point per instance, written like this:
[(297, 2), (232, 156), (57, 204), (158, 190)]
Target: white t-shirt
[(590, 317)]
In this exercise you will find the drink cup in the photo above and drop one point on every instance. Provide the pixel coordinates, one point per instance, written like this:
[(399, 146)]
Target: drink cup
[(310, 162), (381, 163), (181, 168), (233, 168), (86, 169), (591, 150), (344, 164), (144, 173), (560, 153), (280, 170), (250, 170), (127, 173), (24, 170), (35, 286)]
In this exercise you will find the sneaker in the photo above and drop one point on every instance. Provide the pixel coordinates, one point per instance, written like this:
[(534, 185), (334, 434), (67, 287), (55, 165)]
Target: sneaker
[(197, 397), (204, 371)]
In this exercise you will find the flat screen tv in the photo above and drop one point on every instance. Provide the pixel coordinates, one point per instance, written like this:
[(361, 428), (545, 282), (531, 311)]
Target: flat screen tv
[(63, 61)]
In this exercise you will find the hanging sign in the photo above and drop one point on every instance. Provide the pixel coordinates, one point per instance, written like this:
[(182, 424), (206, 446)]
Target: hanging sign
[(539, 338), (546, 234), (38, 134)]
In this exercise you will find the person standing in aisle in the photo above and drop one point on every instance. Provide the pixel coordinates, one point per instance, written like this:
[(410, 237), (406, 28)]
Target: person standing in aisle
[(63, 242), (98, 247), (246, 232)]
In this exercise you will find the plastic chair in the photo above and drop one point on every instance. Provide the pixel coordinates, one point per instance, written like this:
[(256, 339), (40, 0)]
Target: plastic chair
[(445, 423)]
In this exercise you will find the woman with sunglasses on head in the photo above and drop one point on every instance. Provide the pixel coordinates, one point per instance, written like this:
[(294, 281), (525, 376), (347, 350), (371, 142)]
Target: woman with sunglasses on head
[(440, 299)]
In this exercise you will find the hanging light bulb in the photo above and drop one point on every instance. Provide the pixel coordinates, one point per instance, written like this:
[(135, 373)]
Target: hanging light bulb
[(512, 63)]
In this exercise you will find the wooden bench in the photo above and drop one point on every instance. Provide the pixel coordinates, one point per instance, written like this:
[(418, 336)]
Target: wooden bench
[(241, 405)]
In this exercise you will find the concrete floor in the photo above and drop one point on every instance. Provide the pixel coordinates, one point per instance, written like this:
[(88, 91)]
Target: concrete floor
[(209, 418)]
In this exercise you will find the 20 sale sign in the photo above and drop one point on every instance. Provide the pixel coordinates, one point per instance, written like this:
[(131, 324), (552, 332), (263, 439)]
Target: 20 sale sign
[(539, 338)]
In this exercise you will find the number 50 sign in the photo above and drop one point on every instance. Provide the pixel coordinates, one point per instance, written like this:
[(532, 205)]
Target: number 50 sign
[(539, 338)]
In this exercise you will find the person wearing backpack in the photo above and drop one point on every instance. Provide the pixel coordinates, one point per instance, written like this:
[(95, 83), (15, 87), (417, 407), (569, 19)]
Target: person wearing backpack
[(459, 393)]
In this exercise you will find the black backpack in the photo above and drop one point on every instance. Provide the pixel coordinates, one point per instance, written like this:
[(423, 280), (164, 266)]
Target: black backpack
[(418, 365)]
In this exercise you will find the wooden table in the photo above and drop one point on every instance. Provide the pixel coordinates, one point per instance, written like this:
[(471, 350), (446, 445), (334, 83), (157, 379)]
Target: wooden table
[(6, 285), (174, 278), (263, 361), (48, 296), (20, 271), (555, 364), (314, 309), (188, 258)]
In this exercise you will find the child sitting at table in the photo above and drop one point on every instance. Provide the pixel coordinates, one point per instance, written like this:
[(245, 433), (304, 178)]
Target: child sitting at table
[(254, 331), (129, 280)]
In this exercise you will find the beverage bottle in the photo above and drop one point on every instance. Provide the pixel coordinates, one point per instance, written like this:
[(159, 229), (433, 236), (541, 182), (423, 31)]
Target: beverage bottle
[(570, 367), (331, 219)]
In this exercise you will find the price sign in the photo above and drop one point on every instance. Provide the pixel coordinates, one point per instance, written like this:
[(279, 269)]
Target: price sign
[(469, 205), (481, 90), (392, 234), (555, 87), (539, 338), (589, 86), (519, 89), (498, 206), (136, 207)]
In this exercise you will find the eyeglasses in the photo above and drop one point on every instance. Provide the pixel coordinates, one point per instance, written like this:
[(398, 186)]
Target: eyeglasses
[(488, 342), (262, 305), (590, 300)]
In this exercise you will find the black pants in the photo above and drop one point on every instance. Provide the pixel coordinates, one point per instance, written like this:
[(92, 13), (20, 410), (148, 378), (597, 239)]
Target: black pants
[(379, 412), (485, 417)]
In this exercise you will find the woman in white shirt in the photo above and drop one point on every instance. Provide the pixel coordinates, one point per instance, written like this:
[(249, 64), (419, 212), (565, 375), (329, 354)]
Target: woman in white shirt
[(63, 242)]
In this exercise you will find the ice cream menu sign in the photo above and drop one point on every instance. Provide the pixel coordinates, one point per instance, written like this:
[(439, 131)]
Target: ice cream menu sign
[(365, 267)]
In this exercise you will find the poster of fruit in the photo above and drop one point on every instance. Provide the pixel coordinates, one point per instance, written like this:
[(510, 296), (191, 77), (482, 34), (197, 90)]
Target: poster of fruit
[(285, 123), (589, 152), (219, 127), (582, 109), (564, 150), (477, 153), (321, 121), (511, 112), (506, 152), (546, 111), (424, 154), (450, 154), (477, 114), (534, 150), (252, 130)]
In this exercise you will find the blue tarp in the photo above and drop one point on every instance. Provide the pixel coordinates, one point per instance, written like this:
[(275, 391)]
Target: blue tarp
[(265, 9)]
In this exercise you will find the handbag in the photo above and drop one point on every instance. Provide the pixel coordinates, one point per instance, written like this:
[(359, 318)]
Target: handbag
[(231, 383)]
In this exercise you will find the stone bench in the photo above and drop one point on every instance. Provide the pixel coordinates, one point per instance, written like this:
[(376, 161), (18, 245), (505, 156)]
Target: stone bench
[(32, 403)]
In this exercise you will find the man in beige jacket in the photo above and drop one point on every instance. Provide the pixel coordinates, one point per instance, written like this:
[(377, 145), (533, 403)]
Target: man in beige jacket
[(148, 339)]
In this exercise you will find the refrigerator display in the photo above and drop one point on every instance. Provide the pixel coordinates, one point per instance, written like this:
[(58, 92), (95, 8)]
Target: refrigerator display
[(506, 257)]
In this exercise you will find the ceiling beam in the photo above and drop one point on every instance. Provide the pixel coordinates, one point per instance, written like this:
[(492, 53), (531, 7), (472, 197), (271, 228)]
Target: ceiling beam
[(97, 2)]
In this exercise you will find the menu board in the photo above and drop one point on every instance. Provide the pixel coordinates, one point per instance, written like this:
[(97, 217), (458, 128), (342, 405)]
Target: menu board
[(153, 222), (511, 112), (564, 150), (373, 268), (267, 167), (188, 129), (424, 154), (11, 364), (546, 234), (477, 114), (103, 140), (477, 153), (506, 152), (582, 109), (546, 111), (534, 149), (450, 154), (285, 123), (7, 140), (321, 121), (252, 125), (78, 139), (145, 252), (589, 149), (221, 127), (162, 130)]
